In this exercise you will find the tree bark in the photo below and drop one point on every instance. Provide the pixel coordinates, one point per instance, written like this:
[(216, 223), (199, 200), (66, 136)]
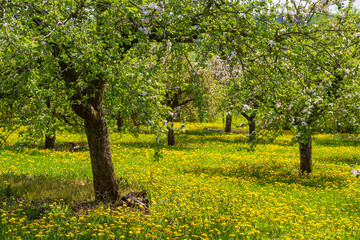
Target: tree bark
[(104, 178), (305, 156), (252, 126), (50, 140), (119, 123), (87, 104), (171, 132), (228, 122)]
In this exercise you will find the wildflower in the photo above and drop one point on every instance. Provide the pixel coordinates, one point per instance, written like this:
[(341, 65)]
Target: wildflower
[(6, 24), (143, 93), (43, 42)]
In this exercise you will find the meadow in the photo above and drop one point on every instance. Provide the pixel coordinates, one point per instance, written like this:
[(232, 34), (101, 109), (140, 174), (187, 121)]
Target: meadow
[(208, 186)]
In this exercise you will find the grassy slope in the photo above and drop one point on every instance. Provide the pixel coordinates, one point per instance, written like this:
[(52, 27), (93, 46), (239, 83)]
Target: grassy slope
[(207, 187)]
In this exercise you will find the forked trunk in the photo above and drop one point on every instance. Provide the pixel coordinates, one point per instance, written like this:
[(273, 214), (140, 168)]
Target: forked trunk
[(50, 140), (104, 178), (305, 156), (228, 122), (171, 132)]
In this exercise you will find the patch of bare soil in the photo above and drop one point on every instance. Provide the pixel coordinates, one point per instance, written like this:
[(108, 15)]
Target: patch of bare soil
[(136, 201)]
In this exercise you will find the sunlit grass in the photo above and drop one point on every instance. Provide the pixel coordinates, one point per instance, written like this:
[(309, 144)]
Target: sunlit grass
[(209, 186)]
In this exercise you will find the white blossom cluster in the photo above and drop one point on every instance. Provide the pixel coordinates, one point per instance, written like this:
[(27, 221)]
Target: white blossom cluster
[(356, 172)]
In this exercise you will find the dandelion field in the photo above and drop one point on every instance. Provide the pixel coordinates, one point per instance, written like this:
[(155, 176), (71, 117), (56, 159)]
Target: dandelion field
[(208, 186)]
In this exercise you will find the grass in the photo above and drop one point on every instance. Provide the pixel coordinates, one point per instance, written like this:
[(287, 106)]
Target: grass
[(208, 186)]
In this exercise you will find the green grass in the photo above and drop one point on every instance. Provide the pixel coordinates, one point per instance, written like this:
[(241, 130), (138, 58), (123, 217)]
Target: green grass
[(208, 186)]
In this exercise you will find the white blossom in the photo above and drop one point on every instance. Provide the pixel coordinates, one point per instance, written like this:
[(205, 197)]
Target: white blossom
[(317, 100), (356, 173), (168, 45), (271, 43), (245, 107), (144, 30)]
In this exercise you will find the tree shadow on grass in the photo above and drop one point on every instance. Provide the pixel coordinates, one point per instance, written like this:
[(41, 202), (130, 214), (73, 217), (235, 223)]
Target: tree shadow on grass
[(351, 161), (338, 142), (37, 194), (33, 148), (265, 174), (43, 187)]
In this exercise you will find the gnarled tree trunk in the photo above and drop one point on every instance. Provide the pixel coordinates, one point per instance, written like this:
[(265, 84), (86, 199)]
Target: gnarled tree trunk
[(305, 155), (87, 104), (228, 122), (105, 183)]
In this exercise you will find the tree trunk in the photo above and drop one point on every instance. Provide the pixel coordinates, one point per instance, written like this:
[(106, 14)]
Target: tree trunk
[(171, 132), (119, 123), (305, 156), (176, 114), (104, 178), (50, 140), (252, 125), (228, 122), (87, 104)]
